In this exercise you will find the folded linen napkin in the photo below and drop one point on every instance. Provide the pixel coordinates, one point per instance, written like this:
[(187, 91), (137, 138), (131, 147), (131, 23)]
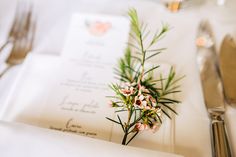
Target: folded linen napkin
[(51, 92), (23, 140)]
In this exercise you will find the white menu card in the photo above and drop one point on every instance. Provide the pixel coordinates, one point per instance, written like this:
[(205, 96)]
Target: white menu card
[(97, 37)]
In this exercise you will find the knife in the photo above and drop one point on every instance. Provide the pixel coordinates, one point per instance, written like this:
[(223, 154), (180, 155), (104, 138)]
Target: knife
[(212, 90), (227, 65)]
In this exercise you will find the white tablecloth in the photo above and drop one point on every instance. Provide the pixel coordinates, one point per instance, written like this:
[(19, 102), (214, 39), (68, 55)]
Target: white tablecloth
[(192, 136)]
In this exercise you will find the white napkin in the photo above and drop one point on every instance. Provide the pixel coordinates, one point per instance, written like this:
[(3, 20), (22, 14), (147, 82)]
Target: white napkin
[(27, 141), (29, 103)]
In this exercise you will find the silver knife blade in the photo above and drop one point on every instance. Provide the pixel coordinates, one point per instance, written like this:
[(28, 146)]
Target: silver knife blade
[(212, 89), (207, 62)]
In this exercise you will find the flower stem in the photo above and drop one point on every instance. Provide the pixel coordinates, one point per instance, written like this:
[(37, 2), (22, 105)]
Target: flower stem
[(125, 138), (127, 127)]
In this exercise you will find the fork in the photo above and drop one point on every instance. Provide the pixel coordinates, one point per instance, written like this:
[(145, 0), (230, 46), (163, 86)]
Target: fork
[(23, 34), (16, 26)]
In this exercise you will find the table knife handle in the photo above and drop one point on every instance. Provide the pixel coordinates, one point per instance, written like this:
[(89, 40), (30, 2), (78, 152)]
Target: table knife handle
[(221, 147)]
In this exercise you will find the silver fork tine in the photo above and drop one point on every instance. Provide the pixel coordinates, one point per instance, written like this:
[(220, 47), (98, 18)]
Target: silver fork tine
[(30, 27), (21, 29), (31, 33), (28, 17), (17, 20)]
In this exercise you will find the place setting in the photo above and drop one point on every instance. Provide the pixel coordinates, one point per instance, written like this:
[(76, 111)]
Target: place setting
[(130, 83)]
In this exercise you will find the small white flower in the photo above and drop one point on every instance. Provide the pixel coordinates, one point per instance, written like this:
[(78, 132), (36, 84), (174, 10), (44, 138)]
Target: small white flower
[(140, 101), (141, 126), (127, 90)]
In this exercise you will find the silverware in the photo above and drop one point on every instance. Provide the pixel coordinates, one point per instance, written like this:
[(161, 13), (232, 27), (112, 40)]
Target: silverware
[(212, 90), (227, 65), (23, 42), (16, 28)]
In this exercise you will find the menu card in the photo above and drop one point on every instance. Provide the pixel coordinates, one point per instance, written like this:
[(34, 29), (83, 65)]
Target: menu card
[(68, 92), (97, 37)]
